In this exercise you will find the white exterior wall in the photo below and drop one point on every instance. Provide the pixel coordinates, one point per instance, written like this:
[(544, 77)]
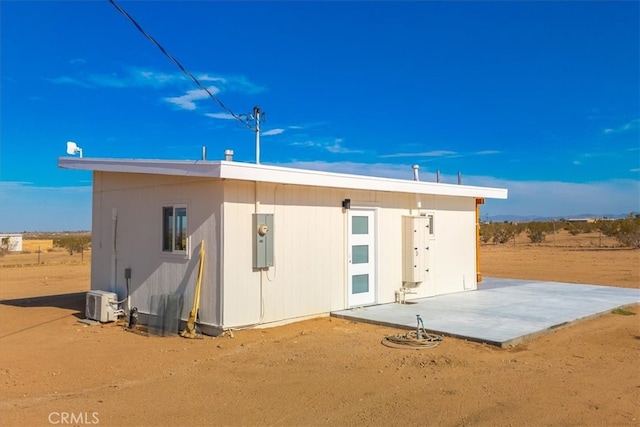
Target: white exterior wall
[(14, 244), (452, 246), (139, 200), (310, 245)]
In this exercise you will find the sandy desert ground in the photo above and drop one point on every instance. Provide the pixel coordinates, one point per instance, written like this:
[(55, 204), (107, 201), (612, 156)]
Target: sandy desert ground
[(55, 370)]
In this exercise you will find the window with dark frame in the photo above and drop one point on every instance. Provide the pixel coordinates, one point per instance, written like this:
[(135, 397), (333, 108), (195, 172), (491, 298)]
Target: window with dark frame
[(174, 229)]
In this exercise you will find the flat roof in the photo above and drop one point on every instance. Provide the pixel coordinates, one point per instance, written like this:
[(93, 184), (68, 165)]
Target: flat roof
[(276, 174)]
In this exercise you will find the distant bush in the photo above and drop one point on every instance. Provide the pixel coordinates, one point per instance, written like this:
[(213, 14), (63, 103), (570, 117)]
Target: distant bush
[(575, 228), (4, 246), (498, 232), (626, 231), (535, 233), (73, 243), (486, 232)]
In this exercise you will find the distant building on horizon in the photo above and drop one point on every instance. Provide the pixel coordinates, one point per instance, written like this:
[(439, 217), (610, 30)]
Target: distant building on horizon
[(11, 242)]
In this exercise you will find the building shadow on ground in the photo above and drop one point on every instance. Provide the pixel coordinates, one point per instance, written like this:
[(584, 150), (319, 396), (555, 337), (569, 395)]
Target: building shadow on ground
[(74, 301)]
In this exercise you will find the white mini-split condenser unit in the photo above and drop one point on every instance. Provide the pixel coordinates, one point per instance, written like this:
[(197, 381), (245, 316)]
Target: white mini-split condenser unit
[(101, 306)]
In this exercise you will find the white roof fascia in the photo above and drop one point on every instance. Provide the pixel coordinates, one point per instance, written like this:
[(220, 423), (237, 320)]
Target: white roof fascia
[(276, 174), (251, 172), (155, 167)]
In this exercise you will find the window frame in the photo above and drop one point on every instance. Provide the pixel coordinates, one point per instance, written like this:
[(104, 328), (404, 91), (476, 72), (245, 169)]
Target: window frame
[(172, 228)]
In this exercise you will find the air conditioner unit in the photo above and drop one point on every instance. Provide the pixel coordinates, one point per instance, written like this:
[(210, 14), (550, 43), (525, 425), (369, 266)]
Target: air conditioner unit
[(101, 306)]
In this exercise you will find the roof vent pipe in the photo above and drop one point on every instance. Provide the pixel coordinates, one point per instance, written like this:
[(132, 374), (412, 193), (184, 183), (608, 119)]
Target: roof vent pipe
[(416, 176), (228, 155), (204, 152)]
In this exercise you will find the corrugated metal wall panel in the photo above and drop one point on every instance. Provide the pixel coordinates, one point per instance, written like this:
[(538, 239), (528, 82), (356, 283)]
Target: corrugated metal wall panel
[(309, 276), (309, 251), (139, 200), (310, 231), (454, 247)]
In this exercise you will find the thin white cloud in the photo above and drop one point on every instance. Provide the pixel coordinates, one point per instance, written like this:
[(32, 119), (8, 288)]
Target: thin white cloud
[(24, 186), (223, 116), (144, 77), (335, 146), (634, 170), (210, 78), (77, 61), (136, 77), (633, 124), (60, 208), (308, 143), (295, 127), (435, 153), (65, 80), (187, 101), (242, 84), (112, 81), (557, 198), (338, 148), (439, 153), (370, 169), (272, 132)]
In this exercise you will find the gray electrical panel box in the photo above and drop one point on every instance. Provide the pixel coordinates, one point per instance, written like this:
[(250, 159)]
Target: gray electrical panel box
[(262, 240)]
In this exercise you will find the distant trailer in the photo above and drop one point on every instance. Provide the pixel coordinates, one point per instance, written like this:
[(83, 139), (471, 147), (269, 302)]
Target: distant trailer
[(581, 220), (11, 242)]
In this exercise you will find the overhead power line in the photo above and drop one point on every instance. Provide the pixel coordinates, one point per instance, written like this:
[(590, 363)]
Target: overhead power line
[(184, 70)]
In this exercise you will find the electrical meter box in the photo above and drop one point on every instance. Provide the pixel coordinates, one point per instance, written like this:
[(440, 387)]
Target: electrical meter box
[(262, 240), (415, 251)]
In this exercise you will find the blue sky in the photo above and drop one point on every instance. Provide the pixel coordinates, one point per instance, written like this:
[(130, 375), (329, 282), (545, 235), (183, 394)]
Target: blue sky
[(542, 98)]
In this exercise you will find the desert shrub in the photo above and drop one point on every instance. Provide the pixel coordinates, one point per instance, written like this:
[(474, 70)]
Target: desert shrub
[(486, 232), (575, 228), (627, 231), (4, 246), (571, 228), (72, 243), (606, 227), (536, 231), (504, 232)]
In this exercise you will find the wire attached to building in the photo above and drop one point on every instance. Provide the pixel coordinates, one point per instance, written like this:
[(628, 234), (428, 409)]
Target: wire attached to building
[(184, 70)]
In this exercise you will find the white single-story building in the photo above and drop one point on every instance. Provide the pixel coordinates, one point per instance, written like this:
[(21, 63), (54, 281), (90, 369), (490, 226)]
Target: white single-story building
[(282, 244), (11, 242)]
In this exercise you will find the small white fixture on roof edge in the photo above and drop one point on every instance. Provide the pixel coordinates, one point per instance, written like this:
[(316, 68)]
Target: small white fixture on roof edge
[(73, 149)]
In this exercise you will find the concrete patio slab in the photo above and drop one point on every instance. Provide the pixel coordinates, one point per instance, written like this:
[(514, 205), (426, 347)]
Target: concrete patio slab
[(501, 312)]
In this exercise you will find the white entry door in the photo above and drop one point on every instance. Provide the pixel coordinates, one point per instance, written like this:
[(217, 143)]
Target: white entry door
[(362, 266)]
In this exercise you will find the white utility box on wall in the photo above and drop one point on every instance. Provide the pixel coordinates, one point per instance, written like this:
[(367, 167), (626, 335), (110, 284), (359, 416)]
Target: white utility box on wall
[(415, 251)]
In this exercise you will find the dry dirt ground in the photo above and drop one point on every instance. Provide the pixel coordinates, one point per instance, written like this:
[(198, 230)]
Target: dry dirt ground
[(54, 370)]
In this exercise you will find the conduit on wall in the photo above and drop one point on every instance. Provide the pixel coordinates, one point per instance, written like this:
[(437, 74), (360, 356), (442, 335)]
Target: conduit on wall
[(114, 265), (479, 202)]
